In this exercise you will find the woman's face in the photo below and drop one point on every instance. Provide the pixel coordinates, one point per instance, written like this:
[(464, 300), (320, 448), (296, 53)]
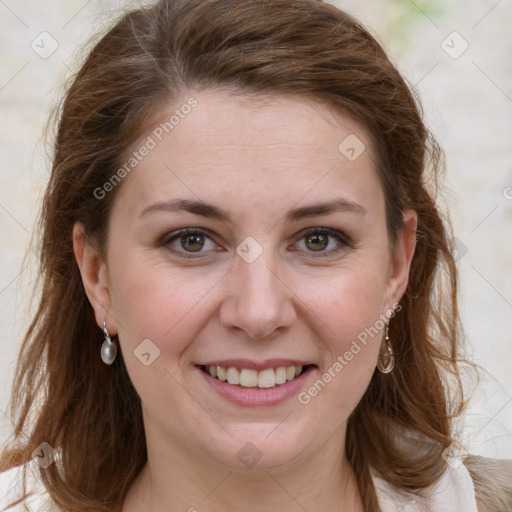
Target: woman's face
[(287, 263)]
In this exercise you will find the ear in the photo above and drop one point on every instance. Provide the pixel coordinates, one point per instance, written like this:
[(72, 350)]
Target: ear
[(94, 272), (403, 252)]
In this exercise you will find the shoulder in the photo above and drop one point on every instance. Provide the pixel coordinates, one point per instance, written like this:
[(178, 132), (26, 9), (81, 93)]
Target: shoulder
[(454, 491), (12, 485), (492, 479), (477, 485)]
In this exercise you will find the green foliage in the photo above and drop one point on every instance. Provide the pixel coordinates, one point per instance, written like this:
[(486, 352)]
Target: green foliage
[(405, 16)]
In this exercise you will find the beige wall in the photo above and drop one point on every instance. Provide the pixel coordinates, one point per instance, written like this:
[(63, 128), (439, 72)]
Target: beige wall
[(468, 103)]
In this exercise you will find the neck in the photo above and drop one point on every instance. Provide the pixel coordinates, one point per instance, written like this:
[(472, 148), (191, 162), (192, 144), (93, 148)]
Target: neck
[(177, 478)]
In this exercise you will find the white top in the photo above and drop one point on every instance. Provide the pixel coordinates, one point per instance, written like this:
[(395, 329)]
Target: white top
[(454, 492)]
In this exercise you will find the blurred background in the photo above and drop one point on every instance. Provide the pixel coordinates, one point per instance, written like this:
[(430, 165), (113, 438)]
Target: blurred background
[(457, 56)]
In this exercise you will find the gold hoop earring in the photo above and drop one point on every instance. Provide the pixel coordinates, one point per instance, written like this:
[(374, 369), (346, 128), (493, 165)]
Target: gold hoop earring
[(390, 364)]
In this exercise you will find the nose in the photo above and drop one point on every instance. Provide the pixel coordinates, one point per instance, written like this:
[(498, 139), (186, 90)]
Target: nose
[(259, 301)]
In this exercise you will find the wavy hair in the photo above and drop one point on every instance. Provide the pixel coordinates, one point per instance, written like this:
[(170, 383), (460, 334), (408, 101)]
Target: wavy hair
[(91, 413)]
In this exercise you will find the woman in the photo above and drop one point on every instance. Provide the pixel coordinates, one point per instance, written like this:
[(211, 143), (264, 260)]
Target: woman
[(248, 294)]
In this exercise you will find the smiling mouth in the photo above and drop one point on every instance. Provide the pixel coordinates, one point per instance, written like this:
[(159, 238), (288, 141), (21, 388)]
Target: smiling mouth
[(250, 378)]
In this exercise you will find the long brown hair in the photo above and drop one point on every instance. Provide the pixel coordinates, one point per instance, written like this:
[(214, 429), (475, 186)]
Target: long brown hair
[(65, 396)]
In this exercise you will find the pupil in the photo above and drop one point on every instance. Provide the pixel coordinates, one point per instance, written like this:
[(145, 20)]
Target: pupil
[(193, 239), (318, 239)]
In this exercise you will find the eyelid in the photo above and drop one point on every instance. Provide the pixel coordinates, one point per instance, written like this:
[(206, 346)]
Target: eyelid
[(340, 236), (172, 235), (336, 233)]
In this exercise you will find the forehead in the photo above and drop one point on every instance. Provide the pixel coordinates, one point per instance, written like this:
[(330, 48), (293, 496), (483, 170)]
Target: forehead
[(257, 120), (232, 145)]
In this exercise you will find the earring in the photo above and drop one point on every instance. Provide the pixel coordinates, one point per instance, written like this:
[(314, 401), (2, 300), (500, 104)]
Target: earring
[(390, 357), (109, 348)]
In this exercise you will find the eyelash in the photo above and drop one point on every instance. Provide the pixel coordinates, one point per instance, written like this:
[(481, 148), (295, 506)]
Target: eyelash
[(343, 239)]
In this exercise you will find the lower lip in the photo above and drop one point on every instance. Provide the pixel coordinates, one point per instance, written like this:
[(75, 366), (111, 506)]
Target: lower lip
[(257, 397)]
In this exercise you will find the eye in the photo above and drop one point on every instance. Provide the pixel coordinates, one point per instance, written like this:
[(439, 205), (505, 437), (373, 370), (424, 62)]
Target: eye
[(317, 240), (188, 241)]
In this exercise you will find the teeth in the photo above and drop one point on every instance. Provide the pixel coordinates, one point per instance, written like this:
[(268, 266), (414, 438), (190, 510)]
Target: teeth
[(267, 378), (233, 376), (250, 378), (280, 375), (221, 373)]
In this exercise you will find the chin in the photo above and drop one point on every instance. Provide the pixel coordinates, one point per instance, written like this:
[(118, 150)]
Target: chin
[(262, 447)]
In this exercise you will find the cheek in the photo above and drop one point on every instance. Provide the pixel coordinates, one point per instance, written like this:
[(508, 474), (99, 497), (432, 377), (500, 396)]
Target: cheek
[(345, 301), (154, 301), (167, 307), (346, 310), (337, 311)]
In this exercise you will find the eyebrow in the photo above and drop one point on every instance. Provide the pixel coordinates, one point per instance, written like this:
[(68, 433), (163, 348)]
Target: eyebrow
[(204, 209)]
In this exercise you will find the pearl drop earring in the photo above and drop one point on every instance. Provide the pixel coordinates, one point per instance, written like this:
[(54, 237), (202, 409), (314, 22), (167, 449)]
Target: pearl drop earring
[(109, 348)]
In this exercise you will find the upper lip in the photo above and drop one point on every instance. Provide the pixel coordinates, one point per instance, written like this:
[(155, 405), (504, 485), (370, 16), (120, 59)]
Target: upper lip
[(256, 365)]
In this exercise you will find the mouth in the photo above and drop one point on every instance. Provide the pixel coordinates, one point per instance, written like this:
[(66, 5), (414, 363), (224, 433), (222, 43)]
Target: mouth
[(266, 378)]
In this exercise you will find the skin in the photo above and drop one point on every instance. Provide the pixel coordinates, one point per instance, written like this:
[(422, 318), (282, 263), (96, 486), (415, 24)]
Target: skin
[(289, 302)]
